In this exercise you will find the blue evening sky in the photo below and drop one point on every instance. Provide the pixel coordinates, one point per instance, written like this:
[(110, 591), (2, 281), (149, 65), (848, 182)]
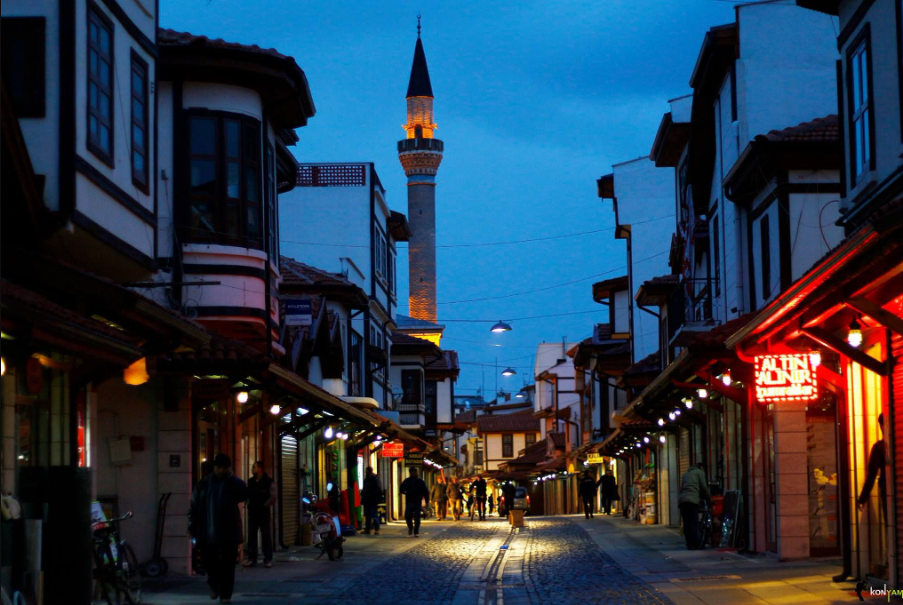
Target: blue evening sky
[(534, 100)]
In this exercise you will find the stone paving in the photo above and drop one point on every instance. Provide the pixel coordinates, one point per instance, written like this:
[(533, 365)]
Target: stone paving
[(551, 561), (564, 565)]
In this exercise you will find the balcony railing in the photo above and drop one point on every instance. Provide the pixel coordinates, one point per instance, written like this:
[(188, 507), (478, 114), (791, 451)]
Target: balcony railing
[(690, 307)]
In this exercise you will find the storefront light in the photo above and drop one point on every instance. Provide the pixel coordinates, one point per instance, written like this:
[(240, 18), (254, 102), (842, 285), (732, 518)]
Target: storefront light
[(136, 374), (639, 445), (274, 409), (328, 433), (672, 416), (662, 439), (344, 436), (677, 412), (815, 358), (688, 403), (242, 397), (854, 337), (2, 367), (302, 411), (702, 393), (661, 421), (646, 439), (726, 378)]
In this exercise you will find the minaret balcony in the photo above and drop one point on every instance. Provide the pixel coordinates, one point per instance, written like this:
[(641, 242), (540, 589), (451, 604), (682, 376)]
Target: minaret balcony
[(421, 145)]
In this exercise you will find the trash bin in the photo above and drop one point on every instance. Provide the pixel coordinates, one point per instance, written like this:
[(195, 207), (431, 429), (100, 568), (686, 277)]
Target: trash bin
[(516, 518)]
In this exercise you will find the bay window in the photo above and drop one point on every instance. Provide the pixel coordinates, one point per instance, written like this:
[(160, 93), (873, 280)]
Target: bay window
[(224, 188), (100, 85)]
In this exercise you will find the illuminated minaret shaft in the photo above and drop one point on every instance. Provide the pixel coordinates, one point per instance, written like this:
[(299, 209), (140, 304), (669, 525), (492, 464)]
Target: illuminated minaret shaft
[(420, 156)]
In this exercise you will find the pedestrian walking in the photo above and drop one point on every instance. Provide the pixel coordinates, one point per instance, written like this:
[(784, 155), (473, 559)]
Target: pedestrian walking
[(491, 503), (214, 521), (455, 497), (439, 498), (261, 497), (509, 490), (371, 496), (415, 492), (609, 491), (470, 501), (588, 490), (693, 490), (480, 497)]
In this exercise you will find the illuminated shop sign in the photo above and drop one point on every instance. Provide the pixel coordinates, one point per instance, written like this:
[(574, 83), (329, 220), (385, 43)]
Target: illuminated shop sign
[(785, 378), (393, 450)]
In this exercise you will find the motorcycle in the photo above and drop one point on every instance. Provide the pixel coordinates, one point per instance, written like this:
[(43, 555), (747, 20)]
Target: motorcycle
[(326, 532)]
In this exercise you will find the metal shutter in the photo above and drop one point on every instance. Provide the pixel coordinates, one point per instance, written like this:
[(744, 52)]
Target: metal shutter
[(291, 500), (684, 445), (895, 423)]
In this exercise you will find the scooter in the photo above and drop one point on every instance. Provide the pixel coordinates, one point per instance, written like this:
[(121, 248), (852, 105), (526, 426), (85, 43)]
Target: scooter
[(326, 532)]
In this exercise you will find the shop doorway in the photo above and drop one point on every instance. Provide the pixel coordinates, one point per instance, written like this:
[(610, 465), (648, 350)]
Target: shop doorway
[(823, 473)]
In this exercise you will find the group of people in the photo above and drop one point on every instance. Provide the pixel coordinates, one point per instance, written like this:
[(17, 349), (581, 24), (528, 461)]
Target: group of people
[(215, 524), (589, 489)]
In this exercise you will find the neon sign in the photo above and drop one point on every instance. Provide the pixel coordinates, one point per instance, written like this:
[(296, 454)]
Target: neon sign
[(785, 378)]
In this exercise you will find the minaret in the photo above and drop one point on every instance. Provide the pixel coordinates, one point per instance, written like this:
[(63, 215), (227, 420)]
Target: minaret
[(420, 156)]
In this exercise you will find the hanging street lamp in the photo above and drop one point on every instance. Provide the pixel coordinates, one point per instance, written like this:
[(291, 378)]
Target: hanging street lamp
[(500, 326), (508, 372)]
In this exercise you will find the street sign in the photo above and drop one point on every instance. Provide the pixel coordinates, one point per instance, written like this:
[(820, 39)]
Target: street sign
[(393, 450), (594, 458), (298, 312), (413, 458)]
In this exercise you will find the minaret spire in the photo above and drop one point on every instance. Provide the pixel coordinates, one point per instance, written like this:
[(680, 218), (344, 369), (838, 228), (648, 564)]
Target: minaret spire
[(420, 155)]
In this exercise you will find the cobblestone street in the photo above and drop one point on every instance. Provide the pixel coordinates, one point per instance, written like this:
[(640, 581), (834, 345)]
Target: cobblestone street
[(552, 560)]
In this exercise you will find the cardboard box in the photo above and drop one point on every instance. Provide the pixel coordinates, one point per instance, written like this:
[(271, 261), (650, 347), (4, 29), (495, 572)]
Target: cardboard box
[(516, 518)]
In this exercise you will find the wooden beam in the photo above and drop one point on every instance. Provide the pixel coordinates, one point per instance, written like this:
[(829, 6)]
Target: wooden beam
[(885, 318), (252, 411), (313, 428), (831, 377), (840, 346), (733, 393)]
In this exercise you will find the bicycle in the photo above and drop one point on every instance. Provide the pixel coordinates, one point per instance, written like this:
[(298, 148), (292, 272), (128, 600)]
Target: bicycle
[(115, 564), (705, 524)]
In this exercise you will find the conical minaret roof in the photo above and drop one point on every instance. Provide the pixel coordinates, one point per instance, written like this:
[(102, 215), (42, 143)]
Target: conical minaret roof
[(419, 85)]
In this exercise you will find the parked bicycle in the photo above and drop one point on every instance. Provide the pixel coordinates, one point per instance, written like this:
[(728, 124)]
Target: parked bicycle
[(115, 564), (705, 525)]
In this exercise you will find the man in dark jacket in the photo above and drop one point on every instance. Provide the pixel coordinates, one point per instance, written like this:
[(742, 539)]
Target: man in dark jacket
[(694, 488), (261, 497), (609, 491), (414, 490), (588, 490), (509, 491), (214, 520), (371, 496), (479, 488)]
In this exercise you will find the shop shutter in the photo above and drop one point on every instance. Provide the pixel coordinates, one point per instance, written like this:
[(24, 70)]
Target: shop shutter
[(897, 440), (684, 446), (291, 501)]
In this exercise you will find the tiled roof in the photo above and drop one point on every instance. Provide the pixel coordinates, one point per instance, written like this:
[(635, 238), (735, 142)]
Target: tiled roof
[(650, 363), (468, 416), (557, 439), (662, 280), (13, 293), (719, 334), (406, 322), (819, 130), (519, 422), (446, 362), (532, 455), (169, 37), (295, 273), (219, 349), (400, 338)]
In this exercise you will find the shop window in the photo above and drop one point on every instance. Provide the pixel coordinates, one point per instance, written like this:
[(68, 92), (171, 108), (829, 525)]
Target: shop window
[(100, 85), (23, 64), (507, 446), (139, 123), (224, 195), (44, 406)]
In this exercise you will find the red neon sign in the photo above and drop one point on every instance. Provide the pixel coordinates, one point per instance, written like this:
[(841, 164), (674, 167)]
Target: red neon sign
[(785, 378), (393, 450)]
